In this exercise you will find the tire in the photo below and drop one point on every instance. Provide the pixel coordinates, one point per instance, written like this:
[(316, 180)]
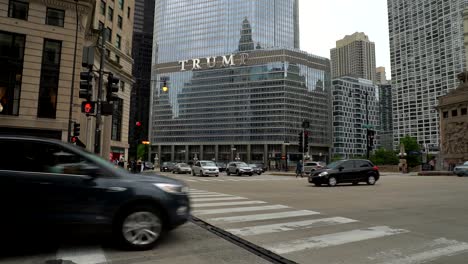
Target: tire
[(250, 174), (355, 182), (238, 173), (193, 173), (216, 175), (141, 238), (371, 180), (228, 173), (332, 181), (201, 173), (173, 172)]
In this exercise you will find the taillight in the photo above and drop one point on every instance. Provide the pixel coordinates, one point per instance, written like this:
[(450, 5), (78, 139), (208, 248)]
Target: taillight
[(375, 168)]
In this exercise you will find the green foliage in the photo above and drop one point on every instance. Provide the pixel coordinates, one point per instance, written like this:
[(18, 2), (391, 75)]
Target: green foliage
[(336, 157), (384, 157), (142, 152), (411, 144)]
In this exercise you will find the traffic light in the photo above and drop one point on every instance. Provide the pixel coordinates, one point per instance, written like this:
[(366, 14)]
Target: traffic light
[(306, 141), (112, 87), (88, 107), (370, 138), (86, 87), (76, 129), (301, 142), (165, 88)]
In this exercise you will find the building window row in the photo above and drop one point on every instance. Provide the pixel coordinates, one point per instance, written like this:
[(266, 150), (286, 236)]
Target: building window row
[(20, 10)]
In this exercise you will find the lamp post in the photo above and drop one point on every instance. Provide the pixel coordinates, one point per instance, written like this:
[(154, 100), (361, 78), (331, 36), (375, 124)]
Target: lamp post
[(72, 86)]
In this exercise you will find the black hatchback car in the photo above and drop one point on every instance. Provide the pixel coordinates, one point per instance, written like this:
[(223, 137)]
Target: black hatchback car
[(346, 171), (52, 185)]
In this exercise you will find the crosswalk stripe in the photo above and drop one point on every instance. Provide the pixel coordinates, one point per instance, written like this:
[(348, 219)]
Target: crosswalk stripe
[(239, 209), (450, 248), (259, 217), (333, 239), (274, 228), (189, 180), (217, 199), (85, 255), (227, 204), (209, 195)]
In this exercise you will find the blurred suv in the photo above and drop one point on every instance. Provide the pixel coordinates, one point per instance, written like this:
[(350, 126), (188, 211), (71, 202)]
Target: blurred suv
[(256, 168), (346, 171), (239, 168), (205, 168), (51, 186), (167, 166)]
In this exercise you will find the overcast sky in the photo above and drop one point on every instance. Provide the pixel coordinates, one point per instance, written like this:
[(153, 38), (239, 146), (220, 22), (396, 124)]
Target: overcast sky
[(322, 23)]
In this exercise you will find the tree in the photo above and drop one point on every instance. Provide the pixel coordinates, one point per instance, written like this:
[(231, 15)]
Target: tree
[(142, 152), (384, 157), (411, 148)]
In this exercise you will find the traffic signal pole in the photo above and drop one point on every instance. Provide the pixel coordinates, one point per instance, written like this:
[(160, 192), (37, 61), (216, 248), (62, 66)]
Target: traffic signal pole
[(97, 135), (72, 87)]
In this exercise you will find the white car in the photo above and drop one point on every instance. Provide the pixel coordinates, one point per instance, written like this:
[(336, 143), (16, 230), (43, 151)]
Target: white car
[(239, 168), (461, 170), (205, 168)]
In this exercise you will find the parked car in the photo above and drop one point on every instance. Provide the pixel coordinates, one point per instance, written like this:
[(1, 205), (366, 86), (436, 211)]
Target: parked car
[(256, 168), (182, 168), (205, 168), (221, 166), (461, 170), (261, 165), (346, 171), (239, 168), (51, 186), (167, 166), (310, 166), (148, 165)]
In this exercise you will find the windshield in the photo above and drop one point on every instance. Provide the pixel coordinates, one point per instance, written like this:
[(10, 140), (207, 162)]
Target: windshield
[(334, 164), (208, 163), (183, 165), (242, 164), (253, 165)]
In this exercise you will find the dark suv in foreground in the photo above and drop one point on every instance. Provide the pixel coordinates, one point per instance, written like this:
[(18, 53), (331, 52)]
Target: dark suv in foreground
[(50, 185), (346, 171)]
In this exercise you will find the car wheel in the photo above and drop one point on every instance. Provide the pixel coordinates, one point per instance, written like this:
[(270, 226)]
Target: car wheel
[(318, 184), (259, 173), (173, 172), (238, 173), (250, 174), (201, 173), (193, 173), (371, 180), (228, 173), (355, 182), (139, 228), (332, 181), (216, 175)]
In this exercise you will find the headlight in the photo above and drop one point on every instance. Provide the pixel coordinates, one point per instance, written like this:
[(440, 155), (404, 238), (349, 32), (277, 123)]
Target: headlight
[(172, 188), (323, 174)]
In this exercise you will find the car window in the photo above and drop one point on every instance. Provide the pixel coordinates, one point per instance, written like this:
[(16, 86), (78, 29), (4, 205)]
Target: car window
[(335, 164), (208, 163), (242, 164), (349, 164), (466, 163), (362, 164)]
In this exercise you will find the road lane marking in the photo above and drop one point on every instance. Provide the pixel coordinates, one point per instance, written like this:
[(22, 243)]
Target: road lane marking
[(82, 255), (217, 199), (432, 251), (227, 204), (333, 239), (239, 209), (209, 195), (259, 217), (290, 226)]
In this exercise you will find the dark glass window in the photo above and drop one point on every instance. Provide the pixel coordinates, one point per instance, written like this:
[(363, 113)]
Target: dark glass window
[(121, 4), (128, 12), (50, 73), (109, 34), (117, 120), (119, 22), (363, 164), (110, 13), (18, 9), (101, 25), (117, 59), (55, 17), (454, 112), (445, 114), (11, 59), (108, 53), (118, 41), (463, 111), (102, 8)]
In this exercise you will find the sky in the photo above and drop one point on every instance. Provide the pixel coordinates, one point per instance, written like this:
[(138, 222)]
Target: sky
[(322, 23)]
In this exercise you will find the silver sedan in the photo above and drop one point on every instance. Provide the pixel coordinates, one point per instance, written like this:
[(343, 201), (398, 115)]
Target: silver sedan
[(461, 170)]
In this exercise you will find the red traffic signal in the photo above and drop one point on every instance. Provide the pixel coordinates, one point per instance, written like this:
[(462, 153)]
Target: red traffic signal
[(138, 124), (74, 139), (88, 107)]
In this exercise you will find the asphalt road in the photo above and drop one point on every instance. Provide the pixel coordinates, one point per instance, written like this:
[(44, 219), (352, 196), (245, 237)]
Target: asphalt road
[(401, 220)]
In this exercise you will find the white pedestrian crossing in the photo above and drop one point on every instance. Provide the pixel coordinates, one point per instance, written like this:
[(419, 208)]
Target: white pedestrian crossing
[(239, 209), (227, 204), (197, 200), (209, 195), (290, 226), (260, 217)]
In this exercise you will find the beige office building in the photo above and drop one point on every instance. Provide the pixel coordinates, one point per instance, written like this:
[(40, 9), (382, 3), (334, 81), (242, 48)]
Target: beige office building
[(354, 56), (37, 44), (381, 75)]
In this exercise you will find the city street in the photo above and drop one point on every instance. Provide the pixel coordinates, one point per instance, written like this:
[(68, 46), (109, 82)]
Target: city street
[(400, 220)]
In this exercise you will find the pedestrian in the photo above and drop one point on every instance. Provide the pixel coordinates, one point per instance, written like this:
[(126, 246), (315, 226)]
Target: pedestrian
[(432, 163), (299, 169)]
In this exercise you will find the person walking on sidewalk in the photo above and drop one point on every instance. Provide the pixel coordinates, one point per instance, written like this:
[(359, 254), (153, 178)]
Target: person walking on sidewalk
[(299, 169)]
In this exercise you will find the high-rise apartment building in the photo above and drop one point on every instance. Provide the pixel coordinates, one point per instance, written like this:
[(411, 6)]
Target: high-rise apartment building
[(386, 116), (355, 108), (427, 52), (142, 56), (37, 47), (238, 87), (354, 55), (381, 75)]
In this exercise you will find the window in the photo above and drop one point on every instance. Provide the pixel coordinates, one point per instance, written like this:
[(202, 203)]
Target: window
[(445, 114), (117, 120), (50, 73), (119, 22), (101, 25), (55, 17), (11, 59), (463, 111), (362, 164), (121, 4), (102, 8), (118, 41), (454, 112), (128, 12), (107, 53), (122, 86), (117, 59), (109, 35), (18, 9), (110, 13)]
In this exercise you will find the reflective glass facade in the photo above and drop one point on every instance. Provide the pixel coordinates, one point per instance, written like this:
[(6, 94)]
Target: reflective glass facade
[(192, 29)]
